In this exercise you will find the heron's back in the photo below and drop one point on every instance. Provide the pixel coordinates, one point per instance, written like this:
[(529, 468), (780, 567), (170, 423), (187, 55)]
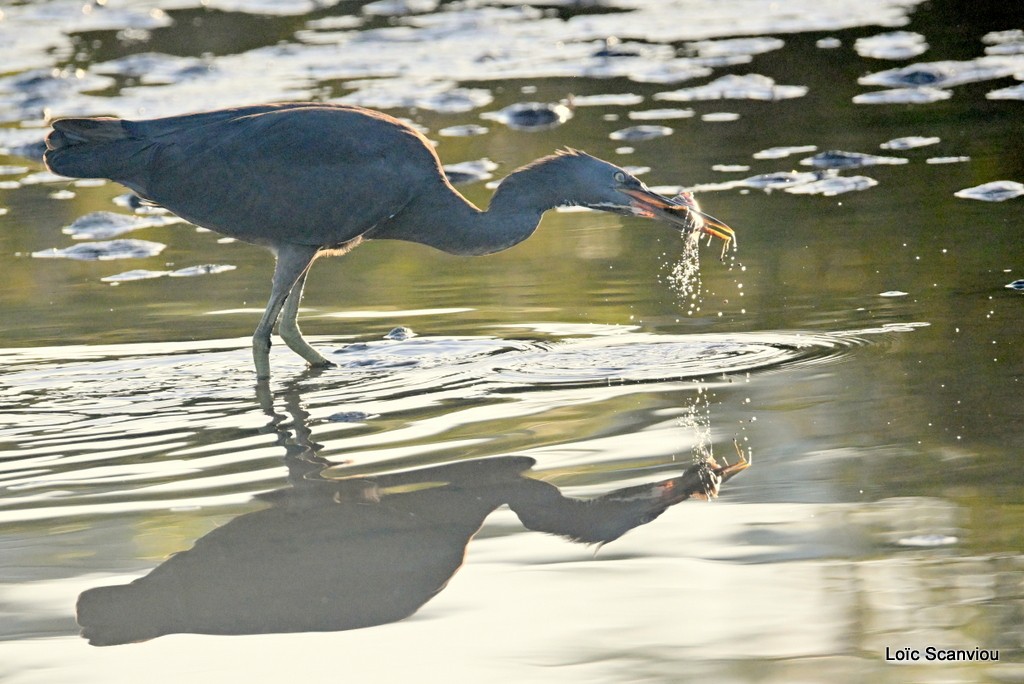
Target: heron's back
[(304, 173)]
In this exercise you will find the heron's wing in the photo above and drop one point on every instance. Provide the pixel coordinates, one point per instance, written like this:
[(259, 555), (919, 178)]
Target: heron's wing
[(305, 174), (171, 125)]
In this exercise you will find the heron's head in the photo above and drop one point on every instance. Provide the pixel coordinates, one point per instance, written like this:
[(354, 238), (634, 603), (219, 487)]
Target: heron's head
[(607, 187)]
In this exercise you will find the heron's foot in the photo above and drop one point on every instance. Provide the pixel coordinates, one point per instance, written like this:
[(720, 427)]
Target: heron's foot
[(298, 345), (314, 358), (262, 362), (261, 354)]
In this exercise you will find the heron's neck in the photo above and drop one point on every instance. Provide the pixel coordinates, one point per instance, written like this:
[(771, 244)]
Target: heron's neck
[(445, 220)]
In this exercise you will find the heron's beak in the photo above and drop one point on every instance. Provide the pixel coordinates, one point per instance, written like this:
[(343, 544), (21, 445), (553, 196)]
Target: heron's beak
[(682, 212)]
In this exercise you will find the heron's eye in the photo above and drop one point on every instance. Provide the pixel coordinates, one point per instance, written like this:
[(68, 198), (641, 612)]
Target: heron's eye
[(620, 177)]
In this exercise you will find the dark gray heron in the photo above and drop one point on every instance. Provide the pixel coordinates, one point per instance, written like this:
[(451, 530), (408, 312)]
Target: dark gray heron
[(307, 180)]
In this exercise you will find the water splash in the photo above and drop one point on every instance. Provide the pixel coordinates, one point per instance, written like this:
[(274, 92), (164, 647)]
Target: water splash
[(685, 275), (684, 278), (696, 419)]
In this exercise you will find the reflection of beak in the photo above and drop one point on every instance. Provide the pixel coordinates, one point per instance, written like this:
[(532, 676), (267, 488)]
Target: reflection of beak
[(720, 474), (727, 471), (682, 212)]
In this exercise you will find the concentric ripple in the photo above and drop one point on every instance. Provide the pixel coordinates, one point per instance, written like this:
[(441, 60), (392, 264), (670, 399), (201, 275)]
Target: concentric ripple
[(638, 357)]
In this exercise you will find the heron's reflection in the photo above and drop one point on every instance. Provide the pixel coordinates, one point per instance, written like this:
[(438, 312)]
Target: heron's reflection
[(342, 554)]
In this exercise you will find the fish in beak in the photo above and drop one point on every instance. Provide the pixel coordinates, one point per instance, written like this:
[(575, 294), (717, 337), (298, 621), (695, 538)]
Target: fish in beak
[(681, 211)]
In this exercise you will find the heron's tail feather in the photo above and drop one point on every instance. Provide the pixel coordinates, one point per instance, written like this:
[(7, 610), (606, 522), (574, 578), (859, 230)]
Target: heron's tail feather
[(79, 131), (87, 148)]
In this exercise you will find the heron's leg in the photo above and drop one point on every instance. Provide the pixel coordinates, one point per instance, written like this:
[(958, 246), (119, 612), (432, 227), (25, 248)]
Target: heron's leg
[(292, 262), (288, 326)]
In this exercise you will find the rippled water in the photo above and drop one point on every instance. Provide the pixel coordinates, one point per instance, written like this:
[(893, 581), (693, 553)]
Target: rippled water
[(862, 347), (90, 408)]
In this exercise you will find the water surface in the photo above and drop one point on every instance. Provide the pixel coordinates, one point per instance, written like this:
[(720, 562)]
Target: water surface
[(862, 345)]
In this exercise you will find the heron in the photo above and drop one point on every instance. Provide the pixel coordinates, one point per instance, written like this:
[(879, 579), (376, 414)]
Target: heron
[(312, 179)]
